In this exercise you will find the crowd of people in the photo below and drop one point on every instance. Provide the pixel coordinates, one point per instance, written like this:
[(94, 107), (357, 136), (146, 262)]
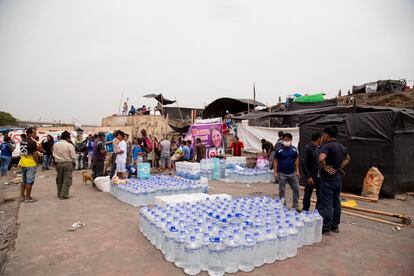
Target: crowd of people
[(144, 110), (321, 162)]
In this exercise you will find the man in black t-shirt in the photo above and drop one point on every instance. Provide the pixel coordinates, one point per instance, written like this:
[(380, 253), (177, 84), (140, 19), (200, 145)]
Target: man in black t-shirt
[(332, 158), (99, 155), (267, 148)]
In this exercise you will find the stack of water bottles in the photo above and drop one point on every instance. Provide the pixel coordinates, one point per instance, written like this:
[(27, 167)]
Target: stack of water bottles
[(236, 160), (209, 170), (139, 192), (248, 175), (227, 235), (188, 170)]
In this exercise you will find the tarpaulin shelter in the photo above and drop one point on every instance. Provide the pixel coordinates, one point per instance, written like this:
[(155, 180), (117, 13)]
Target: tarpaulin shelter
[(374, 136), (379, 86), (314, 98), (219, 107), (160, 98)]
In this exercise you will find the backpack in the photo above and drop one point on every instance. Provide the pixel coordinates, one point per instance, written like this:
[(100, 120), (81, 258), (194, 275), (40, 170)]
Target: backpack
[(148, 142)]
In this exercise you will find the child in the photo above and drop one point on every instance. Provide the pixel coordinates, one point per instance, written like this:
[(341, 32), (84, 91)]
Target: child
[(136, 149)]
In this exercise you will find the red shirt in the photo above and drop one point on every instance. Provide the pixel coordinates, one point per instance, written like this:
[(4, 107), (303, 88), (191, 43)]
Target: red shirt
[(225, 130), (237, 148)]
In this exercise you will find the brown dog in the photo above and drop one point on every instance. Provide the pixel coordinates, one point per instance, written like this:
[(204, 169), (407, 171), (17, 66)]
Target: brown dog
[(86, 177)]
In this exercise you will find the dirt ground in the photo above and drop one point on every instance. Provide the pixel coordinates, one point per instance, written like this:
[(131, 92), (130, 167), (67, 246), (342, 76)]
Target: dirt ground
[(110, 243), (8, 218)]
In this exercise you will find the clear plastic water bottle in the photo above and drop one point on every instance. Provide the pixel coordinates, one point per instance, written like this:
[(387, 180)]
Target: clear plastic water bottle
[(318, 220), (216, 252), (170, 237), (301, 231), (281, 244), (204, 251), (292, 241), (309, 229), (179, 249), (232, 257), (192, 249), (259, 257), (271, 246), (247, 253)]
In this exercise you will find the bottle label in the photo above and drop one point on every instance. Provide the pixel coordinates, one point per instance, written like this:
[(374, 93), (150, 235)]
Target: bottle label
[(192, 251), (282, 238)]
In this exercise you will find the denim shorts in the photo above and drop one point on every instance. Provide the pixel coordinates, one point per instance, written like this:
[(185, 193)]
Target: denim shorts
[(29, 174)]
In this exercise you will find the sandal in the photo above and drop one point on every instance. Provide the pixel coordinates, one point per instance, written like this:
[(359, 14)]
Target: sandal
[(31, 200)]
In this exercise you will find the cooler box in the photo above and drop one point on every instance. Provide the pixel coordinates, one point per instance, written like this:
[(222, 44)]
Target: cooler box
[(144, 170)]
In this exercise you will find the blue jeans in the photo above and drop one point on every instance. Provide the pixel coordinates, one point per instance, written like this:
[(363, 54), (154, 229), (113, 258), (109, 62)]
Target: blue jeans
[(329, 202), (292, 179), (46, 161), (5, 162)]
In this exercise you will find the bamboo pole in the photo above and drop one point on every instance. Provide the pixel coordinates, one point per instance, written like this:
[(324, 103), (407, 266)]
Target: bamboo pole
[(368, 217), (350, 196), (367, 199), (373, 219), (406, 220)]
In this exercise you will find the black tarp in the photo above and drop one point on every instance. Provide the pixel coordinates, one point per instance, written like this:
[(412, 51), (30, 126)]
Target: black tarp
[(301, 106), (383, 139), (381, 86), (160, 98), (219, 107)]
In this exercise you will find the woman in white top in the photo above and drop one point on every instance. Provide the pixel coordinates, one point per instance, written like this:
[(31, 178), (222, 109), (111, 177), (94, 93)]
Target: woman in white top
[(121, 156)]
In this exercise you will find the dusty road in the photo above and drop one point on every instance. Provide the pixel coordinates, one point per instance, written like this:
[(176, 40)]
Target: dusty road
[(110, 244)]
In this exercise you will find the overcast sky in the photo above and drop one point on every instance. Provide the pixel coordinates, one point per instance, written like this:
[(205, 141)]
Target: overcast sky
[(65, 59)]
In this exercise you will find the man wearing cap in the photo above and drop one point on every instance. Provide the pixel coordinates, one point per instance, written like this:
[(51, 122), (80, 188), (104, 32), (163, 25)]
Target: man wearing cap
[(99, 154), (64, 154)]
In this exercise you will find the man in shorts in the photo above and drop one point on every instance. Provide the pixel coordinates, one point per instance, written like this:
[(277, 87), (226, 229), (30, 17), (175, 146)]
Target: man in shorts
[(165, 146), (28, 162)]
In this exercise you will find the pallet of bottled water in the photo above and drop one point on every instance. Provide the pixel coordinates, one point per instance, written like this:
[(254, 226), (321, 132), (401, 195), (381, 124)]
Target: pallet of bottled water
[(210, 171), (140, 192), (228, 235), (236, 160), (188, 170), (248, 175), (173, 200)]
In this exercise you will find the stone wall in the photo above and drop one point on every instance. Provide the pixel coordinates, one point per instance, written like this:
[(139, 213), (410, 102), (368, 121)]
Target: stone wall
[(155, 125)]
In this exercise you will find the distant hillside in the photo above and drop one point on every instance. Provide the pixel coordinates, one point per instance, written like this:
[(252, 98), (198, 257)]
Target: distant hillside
[(394, 99)]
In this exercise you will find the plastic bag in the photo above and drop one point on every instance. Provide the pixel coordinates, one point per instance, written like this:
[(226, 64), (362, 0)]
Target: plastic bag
[(262, 163), (103, 183), (372, 183)]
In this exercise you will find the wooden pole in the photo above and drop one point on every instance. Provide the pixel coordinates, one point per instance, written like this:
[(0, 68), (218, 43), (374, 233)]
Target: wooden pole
[(350, 196), (373, 219), (369, 217)]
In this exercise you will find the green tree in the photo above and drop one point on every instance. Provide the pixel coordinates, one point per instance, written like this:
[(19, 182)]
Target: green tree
[(7, 119)]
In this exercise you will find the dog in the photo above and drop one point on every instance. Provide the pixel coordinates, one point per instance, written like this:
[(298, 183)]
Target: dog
[(86, 177)]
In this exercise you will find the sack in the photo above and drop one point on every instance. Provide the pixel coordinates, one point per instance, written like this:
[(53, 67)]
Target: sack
[(103, 184), (262, 163), (372, 183)]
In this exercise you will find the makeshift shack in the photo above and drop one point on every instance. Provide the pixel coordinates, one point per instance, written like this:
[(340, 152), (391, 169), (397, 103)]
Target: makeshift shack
[(380, 137)]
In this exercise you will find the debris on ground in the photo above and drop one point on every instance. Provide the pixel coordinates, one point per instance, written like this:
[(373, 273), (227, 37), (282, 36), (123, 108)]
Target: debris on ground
[(401, 197), (75, 226)]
